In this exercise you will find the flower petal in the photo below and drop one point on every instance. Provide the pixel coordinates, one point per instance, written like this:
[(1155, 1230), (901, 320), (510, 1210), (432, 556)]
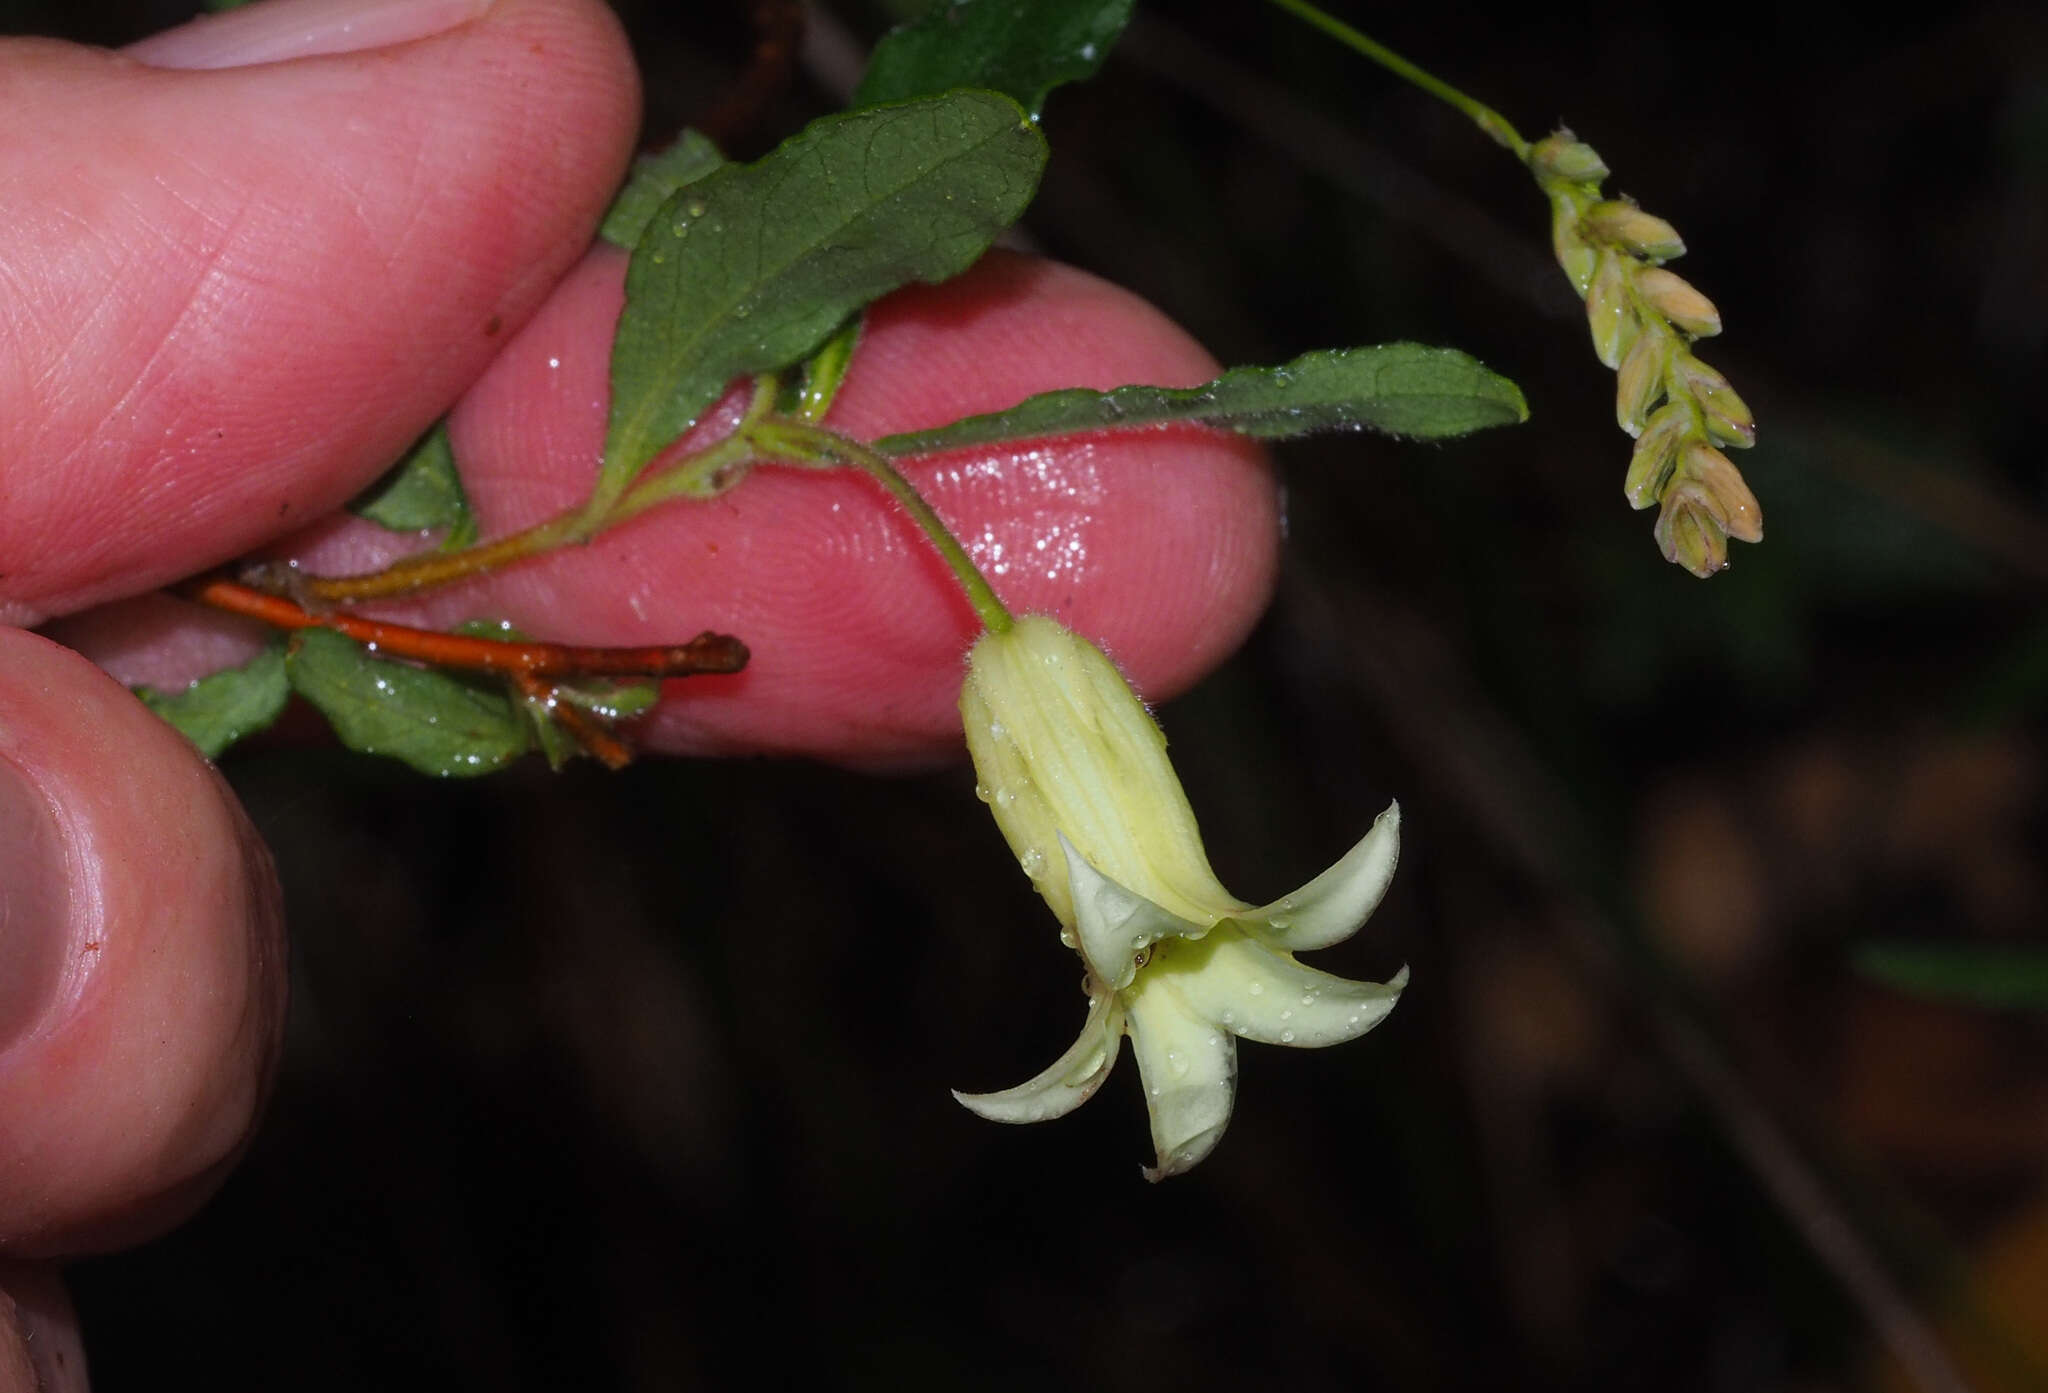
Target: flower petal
[(1072, 1079), (1330, 908), (1252, 991), (1189, 1067), (1116, 924)]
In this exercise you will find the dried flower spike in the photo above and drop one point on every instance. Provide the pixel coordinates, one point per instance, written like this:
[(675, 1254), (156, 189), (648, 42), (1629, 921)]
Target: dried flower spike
[(1644, 320)]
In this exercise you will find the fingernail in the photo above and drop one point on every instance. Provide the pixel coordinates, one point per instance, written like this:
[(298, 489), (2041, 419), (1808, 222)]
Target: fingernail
[(35, 905), (272, 31)]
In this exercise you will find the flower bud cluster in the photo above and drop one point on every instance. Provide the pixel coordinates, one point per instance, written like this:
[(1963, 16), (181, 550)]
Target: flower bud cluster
[(1682, 413)]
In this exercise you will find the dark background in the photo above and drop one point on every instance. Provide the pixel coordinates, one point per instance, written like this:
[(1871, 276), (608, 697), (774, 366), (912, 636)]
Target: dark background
[(639, 1081)]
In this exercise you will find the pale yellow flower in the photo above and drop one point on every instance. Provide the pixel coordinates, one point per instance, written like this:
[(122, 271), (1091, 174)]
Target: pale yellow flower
[(1075, 770)]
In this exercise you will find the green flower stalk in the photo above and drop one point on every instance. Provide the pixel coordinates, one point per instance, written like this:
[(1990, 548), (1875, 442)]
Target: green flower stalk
[(1075, 770)]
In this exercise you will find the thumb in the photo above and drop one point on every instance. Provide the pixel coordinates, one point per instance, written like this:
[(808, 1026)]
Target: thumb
[(287, 239)]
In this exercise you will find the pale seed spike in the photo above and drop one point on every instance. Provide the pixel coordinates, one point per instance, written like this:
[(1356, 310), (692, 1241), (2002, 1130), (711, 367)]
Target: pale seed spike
[(1688, 533), (1617, 223), (1732, 504), (1656, 455), (1613, 319), (1641, 380), (1673, 296), (1563, 156), (1577, 258), (1726, 415)]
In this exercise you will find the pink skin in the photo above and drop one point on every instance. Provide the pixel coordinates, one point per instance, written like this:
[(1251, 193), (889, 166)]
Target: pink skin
[(225, 304)]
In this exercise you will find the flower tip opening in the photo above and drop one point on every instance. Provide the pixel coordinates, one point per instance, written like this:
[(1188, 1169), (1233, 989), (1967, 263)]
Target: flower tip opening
[(1185, 1157)]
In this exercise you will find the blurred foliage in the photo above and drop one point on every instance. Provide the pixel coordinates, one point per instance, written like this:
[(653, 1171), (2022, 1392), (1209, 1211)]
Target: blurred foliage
[(590, 1077)]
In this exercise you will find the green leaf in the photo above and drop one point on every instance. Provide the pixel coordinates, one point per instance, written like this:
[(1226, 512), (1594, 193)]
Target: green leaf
[(438, 723), (825, 371), (654, 179), (2009, 978), (1022, 48), (216, 711), (752, 268), (421, 493), (1399, 388)]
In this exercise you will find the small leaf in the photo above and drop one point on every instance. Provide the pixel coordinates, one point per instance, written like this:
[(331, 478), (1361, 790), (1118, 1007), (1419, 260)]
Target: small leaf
[(1022, 48), (216, 711), (2008, 978), (438, 723), (825, 371), (750, 269), (654, 179), (421, 493), (1400, 388)]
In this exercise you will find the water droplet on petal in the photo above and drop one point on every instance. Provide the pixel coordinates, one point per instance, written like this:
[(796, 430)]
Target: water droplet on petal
[(1257, 989), (1286, 1037)]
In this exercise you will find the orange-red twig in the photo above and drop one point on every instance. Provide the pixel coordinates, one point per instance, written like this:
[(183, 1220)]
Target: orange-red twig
[(586, 730), (708, 652)]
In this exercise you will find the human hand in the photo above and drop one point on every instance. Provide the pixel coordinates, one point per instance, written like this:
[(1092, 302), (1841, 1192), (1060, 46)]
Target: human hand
[(284, 243)]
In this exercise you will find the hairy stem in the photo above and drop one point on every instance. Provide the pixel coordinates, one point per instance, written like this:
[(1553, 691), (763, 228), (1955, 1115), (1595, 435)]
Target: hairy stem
[(416, 573), (802, 442)]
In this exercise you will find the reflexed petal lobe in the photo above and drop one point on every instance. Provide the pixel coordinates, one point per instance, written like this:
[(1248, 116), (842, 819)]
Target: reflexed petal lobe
[(1189, 1068), (1072, 1079), (1116, 924), (1266, 996), (1330, 908)]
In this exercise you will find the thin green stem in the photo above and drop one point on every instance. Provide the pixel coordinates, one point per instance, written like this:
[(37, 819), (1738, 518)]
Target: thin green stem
[(699, 475), (416, 573), (800, 442), (1483, 116)]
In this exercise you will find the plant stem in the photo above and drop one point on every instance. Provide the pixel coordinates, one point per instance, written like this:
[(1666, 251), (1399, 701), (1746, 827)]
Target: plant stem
[(1483, 116), (694, 475), (705, 474), (707, 652), (416, 573), (801, 443)]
